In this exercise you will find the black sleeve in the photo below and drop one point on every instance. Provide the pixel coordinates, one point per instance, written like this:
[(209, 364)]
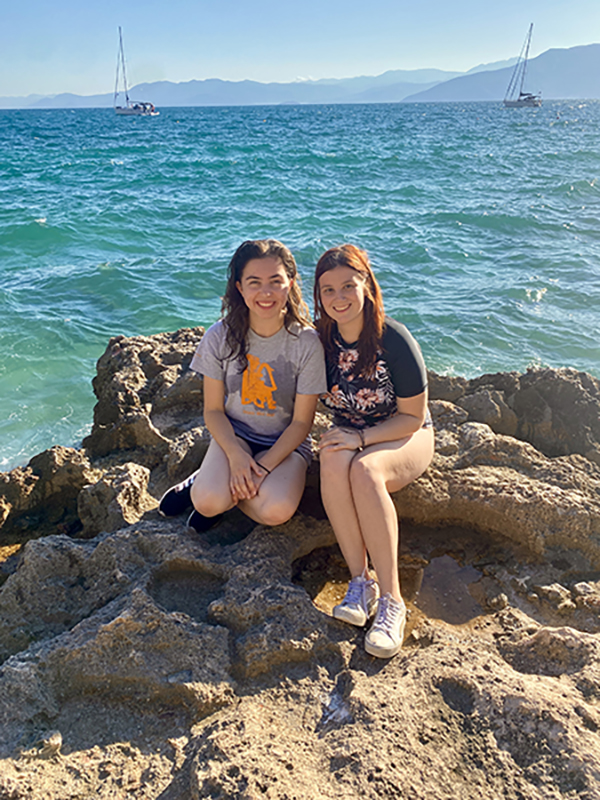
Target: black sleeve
[(404, 359)]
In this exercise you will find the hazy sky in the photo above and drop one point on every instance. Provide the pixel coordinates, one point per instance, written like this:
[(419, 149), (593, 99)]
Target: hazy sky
[(52, 46)]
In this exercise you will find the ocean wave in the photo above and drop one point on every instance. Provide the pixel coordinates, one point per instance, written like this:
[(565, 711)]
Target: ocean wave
[(482, 226)]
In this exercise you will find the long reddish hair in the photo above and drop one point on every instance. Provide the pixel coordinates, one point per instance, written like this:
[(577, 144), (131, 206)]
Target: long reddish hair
[(369, 341)]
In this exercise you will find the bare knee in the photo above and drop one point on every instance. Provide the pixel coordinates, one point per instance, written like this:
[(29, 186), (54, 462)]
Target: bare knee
[(276, 513), (364, 475), (334, 465), (208, 503)]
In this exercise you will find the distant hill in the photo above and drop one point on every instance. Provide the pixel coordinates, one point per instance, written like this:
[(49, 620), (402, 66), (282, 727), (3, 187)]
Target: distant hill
[(567, 73), (558, 74), (509, 62), (391, 86), (20, 102)]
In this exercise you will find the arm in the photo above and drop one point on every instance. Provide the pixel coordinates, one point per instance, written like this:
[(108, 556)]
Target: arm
[(242, 466), (296, 432), (409, 419)]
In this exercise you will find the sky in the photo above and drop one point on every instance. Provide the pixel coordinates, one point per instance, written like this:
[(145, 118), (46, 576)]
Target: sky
[(54, 46)]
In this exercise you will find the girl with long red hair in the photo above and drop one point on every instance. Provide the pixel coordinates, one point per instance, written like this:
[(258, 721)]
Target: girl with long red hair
[(381, 439)]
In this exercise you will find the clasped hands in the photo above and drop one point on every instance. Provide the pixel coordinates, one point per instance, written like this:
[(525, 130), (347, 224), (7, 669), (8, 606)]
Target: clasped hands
[(246, 476)]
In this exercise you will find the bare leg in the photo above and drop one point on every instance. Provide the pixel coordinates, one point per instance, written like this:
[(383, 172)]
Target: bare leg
[(336, 493), (279, 493), (380, 469), (277, 498), (210, 493)]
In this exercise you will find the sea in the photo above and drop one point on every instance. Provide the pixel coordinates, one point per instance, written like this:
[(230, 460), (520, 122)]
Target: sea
[(482, 223)]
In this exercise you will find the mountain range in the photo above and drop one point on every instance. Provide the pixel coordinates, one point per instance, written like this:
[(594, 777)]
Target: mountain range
[(557, 73)]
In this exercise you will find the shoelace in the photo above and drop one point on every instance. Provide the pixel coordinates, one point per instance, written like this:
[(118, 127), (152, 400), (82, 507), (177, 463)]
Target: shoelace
[(187, 482), (355, 591), (387, 613)]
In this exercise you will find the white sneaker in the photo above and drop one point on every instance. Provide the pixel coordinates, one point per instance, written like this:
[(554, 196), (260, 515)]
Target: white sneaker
[(386, 634), (360, 601)]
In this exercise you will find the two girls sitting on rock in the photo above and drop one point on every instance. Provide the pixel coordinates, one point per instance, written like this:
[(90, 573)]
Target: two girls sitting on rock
[(264, 371)]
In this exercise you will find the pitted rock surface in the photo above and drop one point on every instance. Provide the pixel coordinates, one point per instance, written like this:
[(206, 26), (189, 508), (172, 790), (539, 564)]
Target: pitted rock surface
[(556, 410), (118, 498), (145, 392), (174, 666), (505, 486)]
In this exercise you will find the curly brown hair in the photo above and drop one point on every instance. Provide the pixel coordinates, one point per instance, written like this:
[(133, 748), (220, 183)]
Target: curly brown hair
[(369, 341), (234, 310)]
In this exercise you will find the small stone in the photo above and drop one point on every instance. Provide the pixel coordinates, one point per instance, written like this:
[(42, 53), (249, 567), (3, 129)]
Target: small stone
[(499, 602), (558, 596), (47, 746), (583, 588)]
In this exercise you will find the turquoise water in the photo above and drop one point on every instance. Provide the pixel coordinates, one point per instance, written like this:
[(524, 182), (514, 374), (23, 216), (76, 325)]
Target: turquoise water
[(483, 224)]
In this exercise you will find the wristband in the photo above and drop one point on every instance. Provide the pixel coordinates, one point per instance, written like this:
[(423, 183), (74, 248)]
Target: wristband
[(262, 466)]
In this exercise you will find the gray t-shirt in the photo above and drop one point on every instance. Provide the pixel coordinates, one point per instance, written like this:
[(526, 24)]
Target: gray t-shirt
[(259, 400)]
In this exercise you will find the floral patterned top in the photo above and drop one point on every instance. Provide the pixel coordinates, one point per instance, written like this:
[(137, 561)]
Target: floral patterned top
[(359, 401)]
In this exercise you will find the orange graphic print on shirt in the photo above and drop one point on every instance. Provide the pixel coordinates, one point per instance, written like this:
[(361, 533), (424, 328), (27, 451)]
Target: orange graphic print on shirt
[(258, 384)]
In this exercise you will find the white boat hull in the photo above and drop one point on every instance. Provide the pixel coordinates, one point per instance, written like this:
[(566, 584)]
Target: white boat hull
[(135, 112), (530, 102)]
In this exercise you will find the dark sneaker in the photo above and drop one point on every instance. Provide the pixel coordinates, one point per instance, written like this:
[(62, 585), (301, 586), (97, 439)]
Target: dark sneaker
[(178, 498), (360, 601), (385, 636), (200, 523)]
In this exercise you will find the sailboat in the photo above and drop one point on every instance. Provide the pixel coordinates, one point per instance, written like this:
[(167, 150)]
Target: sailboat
[(132, 108), (515, 96)]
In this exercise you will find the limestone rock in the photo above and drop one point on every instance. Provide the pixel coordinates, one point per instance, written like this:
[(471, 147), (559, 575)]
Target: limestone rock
[(60, 582), (42, 497), (281, 699), (175, 402), (186, 453), (481, 728), (120, 497), (169, 664), (556, 410), (490, 407), (446, 387), (138, 379), (502, 485), (136, 650)]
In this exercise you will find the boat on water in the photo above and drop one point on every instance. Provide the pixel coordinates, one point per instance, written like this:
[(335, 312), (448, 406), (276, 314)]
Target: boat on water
[(515, 96), (132, 108)]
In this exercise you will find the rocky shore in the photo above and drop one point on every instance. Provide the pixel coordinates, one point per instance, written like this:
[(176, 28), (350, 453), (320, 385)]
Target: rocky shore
[(141, 660)]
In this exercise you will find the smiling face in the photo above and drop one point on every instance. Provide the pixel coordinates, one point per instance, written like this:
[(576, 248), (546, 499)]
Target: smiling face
[(265, 286), (342, 295)]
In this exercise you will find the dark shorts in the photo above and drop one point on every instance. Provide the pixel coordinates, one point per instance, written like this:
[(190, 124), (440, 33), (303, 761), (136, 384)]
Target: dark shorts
[(255, 448), (258, 442)]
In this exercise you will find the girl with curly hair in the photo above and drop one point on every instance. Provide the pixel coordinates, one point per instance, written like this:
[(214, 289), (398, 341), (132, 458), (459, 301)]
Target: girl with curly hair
[(263, 370)]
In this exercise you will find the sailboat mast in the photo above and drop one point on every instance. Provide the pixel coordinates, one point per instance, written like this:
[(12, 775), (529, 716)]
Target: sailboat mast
[(117, 79), (122, 56), (525, 61), (522, 98), (129, 109)]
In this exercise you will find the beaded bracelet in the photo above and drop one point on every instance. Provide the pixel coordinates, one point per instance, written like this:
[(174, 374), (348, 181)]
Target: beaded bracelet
[(363, 444)]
